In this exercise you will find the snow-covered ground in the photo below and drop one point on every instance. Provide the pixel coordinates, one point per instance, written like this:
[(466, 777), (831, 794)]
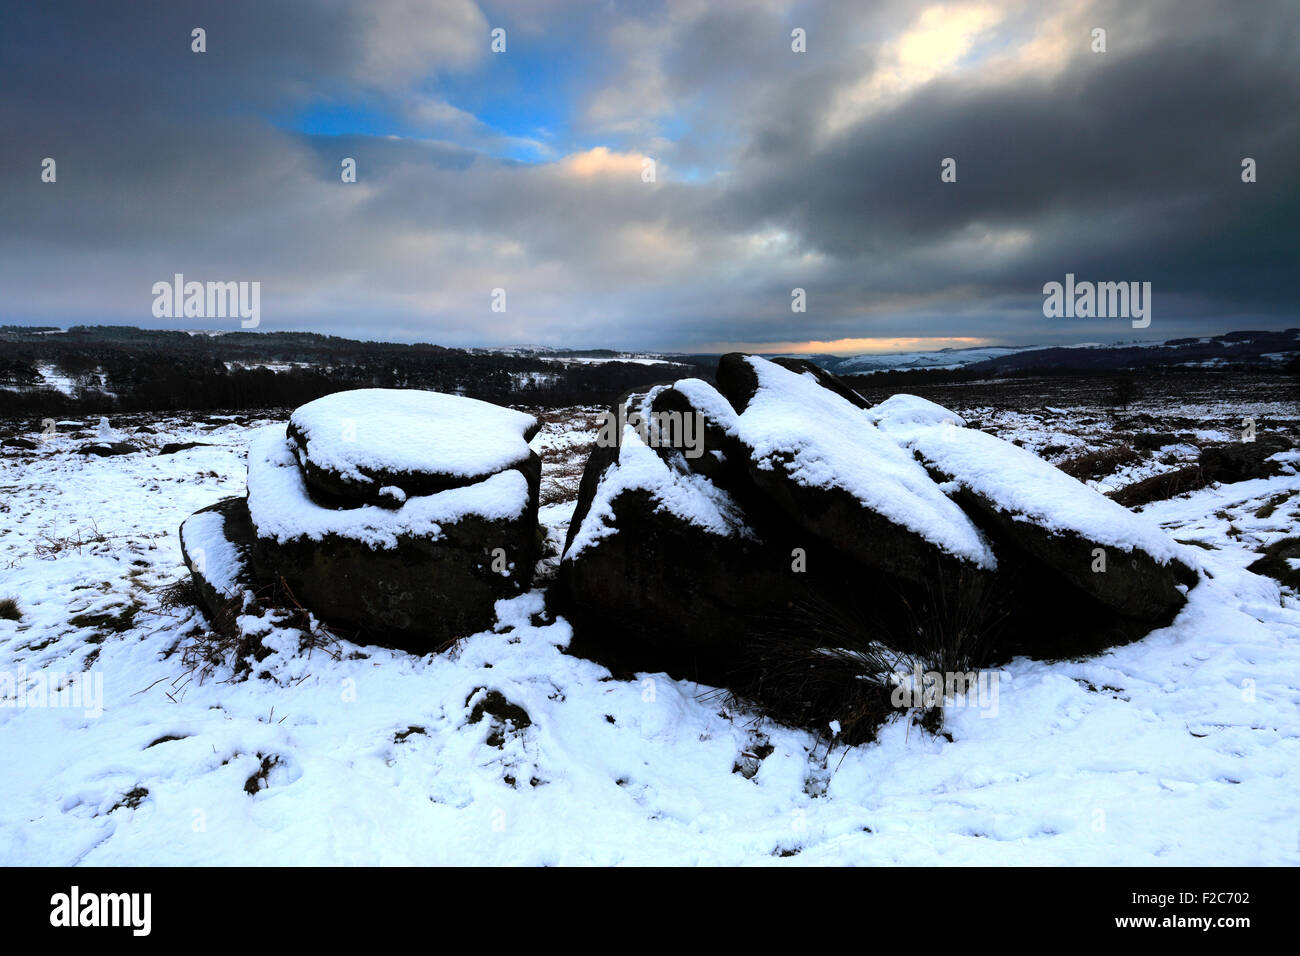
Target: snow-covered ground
[(1183, 748)]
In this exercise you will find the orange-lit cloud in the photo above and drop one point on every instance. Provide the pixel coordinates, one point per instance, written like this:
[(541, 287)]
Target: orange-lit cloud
[(602, 161)]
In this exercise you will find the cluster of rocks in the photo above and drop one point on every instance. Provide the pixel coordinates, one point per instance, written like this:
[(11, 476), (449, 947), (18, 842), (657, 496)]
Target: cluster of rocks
[(398, 517), (811, 510), (108, 441)]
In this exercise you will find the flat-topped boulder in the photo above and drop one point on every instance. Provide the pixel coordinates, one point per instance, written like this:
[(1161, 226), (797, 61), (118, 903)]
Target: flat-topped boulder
[(416, 573), (380, 445), (822, 460), (108, 449)]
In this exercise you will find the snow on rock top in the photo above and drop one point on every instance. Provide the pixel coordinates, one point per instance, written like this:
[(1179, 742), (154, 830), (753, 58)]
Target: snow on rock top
[(828, 443), (904, 411), (1019, 483), (280, 507), (708, 401), (360, 434), (688, 496), (203, 535)]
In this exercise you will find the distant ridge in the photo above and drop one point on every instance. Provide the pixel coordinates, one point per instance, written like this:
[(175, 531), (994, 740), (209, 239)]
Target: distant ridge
[(1232, 348)]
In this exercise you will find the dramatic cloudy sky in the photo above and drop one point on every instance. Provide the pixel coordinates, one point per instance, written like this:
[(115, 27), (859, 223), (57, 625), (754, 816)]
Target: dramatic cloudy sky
[(523, 170)]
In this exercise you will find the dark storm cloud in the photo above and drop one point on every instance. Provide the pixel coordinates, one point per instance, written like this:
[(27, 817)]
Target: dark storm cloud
[(1149, 146), (818, 170)]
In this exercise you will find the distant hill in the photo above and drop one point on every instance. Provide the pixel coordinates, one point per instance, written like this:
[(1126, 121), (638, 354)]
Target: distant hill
[(120, 368), (894, 361), (1232, 348)]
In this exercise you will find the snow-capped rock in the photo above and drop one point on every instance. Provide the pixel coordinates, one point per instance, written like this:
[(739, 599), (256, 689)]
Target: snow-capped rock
[(217, 546), (399, 517), (1119, 558), (416, 573), (902, 412), (834, 473), (662, 568), (825, 379), (352, 444)]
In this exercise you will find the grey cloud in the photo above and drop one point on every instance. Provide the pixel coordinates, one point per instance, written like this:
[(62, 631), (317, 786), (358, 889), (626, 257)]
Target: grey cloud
[(1124, 165)]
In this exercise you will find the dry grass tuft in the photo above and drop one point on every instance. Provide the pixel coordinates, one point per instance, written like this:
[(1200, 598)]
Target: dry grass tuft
[(824, 663), (226, 647), (50, 546)]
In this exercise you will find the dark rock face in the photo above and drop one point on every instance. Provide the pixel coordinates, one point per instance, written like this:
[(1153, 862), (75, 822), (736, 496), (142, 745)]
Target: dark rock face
[(1035, 512), (737, 380), (1276, 562), (653, 595), (1241, 461), (837, 518), (19, 443), (1133, 584), (108, 449), (418, 596), (725, 458), (1027, 592), (643, 585)]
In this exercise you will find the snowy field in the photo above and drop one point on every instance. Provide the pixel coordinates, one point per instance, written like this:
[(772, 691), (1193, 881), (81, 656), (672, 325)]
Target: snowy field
[(1180, 749)]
